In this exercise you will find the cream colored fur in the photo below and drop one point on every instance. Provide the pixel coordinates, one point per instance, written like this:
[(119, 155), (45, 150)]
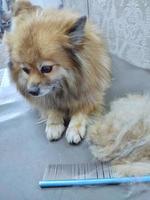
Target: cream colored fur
[(81, 71), (123, 136)]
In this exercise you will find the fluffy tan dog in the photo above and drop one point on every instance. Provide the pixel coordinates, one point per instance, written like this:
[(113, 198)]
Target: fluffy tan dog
[(123, 136), (59, 63)]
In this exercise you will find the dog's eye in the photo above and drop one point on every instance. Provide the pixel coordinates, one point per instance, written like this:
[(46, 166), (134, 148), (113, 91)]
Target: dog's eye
[(46, 68), (26, 70)]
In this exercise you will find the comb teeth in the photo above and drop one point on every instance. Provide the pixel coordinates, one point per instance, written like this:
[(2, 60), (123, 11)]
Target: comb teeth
[(78, 171)]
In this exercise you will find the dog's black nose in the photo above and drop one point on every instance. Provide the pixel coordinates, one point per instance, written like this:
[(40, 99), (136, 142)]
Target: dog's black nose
[(34, 90)]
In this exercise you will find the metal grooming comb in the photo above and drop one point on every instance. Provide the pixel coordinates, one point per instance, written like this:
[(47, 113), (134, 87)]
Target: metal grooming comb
[(61, 175)]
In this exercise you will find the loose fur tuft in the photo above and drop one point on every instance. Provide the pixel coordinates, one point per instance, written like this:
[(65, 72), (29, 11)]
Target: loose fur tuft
[(123, 136)]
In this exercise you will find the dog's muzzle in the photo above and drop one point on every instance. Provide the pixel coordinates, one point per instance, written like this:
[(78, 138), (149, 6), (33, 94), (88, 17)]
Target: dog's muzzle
[(34, 90)]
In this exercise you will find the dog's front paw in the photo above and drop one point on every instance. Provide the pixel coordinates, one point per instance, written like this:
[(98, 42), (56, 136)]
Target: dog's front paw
[(54, 131), (75, 134)]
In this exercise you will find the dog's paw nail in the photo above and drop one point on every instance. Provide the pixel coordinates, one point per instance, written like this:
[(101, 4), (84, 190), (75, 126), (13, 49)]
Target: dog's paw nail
[(74, 136), (54, 132)]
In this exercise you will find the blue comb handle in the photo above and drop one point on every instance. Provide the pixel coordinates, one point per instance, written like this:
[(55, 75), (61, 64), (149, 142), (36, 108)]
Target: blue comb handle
[(86, 182)]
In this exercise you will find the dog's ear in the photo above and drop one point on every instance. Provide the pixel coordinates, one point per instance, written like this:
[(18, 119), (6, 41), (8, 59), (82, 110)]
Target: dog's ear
[(77, 31), (23, 6)]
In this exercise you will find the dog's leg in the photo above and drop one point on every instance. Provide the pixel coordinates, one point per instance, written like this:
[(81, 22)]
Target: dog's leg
[(77, 128), (55, 125)]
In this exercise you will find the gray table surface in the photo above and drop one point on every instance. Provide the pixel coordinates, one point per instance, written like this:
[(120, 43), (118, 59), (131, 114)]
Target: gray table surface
[(25, 152)]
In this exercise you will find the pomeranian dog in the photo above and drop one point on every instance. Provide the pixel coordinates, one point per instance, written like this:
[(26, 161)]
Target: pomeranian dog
[(59, 63)]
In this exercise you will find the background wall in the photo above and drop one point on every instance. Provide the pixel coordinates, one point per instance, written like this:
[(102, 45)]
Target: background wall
[(124, 23), (46, 3)]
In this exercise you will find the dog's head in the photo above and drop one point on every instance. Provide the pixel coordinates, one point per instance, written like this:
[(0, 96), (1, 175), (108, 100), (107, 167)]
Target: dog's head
[(44, 51)]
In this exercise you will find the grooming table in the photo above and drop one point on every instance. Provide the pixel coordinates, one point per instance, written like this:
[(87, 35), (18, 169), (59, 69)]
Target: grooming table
[(25, 152)]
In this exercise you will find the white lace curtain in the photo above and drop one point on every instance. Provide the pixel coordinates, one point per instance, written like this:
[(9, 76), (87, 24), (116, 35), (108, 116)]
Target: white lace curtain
[(124, 23)]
